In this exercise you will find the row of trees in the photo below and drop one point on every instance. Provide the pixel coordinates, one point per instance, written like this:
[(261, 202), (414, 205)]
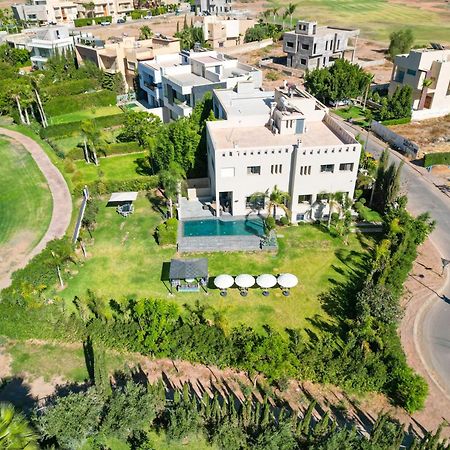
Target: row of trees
[(274, 13)]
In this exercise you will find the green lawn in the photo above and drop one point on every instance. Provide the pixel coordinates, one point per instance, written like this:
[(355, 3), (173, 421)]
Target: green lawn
[(25, 200), (121, 167), (126, 262), (85, 114), (352, 112), (376, 18)]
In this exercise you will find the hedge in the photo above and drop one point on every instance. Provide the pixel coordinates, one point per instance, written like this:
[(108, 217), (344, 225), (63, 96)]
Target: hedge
[(65, 104), (397, 121), (100, 187), (112, 149), (139, 13), (71, 87), (166, 233), (84, 22), (432, 159), (66, 129)]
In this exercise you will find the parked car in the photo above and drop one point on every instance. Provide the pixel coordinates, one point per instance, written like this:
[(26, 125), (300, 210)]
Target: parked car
[(341, 103), (121, 20), (105, 23), (147, 17)]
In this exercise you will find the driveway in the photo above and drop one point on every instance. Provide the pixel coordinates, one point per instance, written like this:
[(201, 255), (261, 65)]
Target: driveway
[(62, 200)]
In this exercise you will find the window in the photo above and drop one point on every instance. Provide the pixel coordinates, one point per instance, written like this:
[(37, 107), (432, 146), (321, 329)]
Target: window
[(254, 170), (305, 47), (346, 166), (305, 198), (303, 61), (315, 48), (276, 168), (255, 202), (411, 72), (290, 44), (321, 197), (327, 168), (305, 170), (399, 76), (227, 172)]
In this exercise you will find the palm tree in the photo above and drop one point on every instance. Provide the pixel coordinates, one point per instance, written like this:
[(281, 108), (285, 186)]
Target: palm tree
[(285, 16), (93, 139), (278, 198), (170, 180), (290, 10), (15, 433), (266, 14), (334, 202), (275, 13)]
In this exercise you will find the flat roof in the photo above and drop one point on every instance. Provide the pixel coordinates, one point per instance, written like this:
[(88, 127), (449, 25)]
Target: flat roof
[(207, 59), (318, 134), (252, 103), (123, 197), (185, 269), (187, 79)]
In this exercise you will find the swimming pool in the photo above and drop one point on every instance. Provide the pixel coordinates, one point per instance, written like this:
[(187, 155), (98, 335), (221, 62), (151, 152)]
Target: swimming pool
[(215, 227)]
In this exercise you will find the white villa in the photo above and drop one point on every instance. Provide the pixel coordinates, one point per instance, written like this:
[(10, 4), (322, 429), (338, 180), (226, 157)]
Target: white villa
[(284, 138)]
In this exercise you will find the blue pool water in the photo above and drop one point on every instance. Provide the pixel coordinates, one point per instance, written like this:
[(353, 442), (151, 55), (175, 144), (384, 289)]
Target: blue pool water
[(216, 227)]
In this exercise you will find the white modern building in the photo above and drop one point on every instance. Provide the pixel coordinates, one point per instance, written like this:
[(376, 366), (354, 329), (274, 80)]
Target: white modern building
[(427, 72), (213, 6), (284, 138), (177, 82)]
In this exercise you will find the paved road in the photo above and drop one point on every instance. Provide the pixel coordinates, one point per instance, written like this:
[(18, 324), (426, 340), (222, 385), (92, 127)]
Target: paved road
[(423, 196), (62, 200)]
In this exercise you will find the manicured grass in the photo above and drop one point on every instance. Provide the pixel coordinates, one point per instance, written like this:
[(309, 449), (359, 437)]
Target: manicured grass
[(352, 112), (121, 167), (85, 114), (25, 199), (377, 18), (125, 262), (49, 361)]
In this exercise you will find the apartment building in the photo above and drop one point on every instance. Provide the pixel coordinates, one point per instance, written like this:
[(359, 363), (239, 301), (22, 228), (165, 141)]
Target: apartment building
[(113, 8), (224, 33), (46, 11), (427, 72), (284, 138), (177, 82), (123, 55), (213, 6), (313, 47)]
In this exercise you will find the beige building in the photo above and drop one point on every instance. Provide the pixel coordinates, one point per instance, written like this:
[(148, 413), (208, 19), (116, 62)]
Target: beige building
[(223, 33), (46, 11), (113, 8), (427, 71), (123, 56)]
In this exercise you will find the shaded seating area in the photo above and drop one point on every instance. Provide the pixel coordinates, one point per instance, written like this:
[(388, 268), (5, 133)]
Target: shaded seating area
[(188, 275), (123, 202)]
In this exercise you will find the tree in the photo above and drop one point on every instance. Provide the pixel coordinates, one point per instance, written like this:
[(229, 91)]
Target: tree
[(15, 432), (278, 198), (93, 140), (145, 32), (170, 180), (141, 127), (17, 57), (401, 42), (89, 7), (398, 105), (290, 10)]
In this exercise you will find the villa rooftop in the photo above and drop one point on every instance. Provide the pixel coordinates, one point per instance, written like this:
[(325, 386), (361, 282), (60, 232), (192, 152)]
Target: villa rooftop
[(251, 103), (188, 79)]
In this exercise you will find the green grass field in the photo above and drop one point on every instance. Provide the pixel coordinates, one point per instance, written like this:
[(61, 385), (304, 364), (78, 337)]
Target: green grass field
[(125, 262), (85, 114), (376, 18), (25, 200)]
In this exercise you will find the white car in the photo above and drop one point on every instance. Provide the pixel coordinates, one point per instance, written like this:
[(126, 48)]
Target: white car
[(147, 17)]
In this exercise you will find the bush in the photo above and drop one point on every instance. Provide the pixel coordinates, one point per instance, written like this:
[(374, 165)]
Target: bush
[(284, 220), (396, 121), (166, 233), (100, 187), (84, 22), (269, 224), (272, 76), (432, 159), (65, 104), (67, 129), (117, 148), (71, 87), (411, 390)]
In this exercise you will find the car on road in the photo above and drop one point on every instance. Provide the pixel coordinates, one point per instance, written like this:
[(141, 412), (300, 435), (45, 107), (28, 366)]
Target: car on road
[(105, 23), (121, 20), (147, 17)]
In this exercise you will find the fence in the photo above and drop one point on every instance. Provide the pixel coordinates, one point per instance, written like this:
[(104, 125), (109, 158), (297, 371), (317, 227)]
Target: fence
[(395, 140)]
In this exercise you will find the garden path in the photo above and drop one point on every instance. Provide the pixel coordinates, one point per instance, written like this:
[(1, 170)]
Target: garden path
[(62, 201)]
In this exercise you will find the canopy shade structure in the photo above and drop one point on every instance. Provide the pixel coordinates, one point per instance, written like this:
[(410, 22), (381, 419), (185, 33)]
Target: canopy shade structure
[(122, 197), (287, 280), (266, 281), (245, 281), (186, 269), (223, 281)]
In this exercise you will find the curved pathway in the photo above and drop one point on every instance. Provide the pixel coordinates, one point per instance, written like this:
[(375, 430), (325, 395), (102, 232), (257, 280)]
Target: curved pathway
[(62, 200)]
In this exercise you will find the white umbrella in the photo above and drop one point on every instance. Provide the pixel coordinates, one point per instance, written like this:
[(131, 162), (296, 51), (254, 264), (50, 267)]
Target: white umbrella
[(266, 281), (245, 281), (287, 280), (223, 281)]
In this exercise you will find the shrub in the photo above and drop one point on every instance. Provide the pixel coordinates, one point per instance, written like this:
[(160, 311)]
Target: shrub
[(396, 121), (272, 76), (65, 104), (117, 148), (269, 224), (101, 187), (166, 233), (284, 220), (67, 129), (432, 159), (69, 166), (84, 22)]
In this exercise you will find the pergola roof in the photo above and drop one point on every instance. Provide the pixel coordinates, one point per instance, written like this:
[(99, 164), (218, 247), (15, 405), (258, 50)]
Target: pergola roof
[(123, 197), (182, 269)]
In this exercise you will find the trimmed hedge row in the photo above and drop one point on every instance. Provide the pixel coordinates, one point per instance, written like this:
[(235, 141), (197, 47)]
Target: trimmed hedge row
[(66, 129), (84, 22), (112, 149), (139, 13), (71, 87), (432, 159), (65, 104), (100, 187), (397, 121), (166, 233)]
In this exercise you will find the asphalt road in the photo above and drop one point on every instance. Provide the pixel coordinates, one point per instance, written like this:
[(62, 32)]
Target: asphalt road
[(434, 330)]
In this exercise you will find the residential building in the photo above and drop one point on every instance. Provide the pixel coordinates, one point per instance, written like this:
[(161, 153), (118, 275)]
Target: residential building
[(427, 72), (46, 11), (48, 42), (284, 138), (123, 55), (101, 8), (312, 47), (178, 82), (223, 33), (213, 6)]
